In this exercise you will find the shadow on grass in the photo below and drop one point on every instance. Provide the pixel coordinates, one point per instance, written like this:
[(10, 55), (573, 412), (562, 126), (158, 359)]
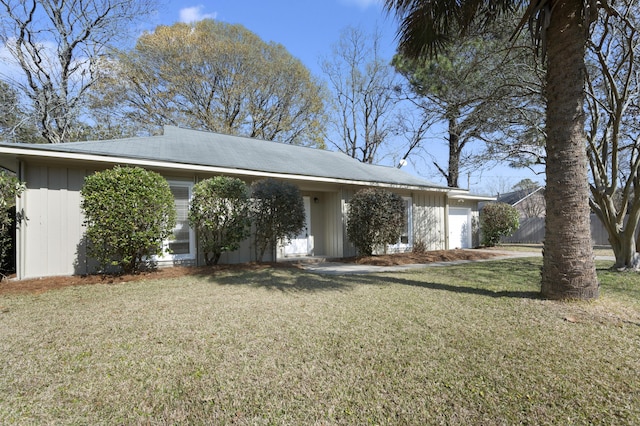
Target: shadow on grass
[(517, 294), (285, 280), (295, 280), (509, 274), (497, 279)]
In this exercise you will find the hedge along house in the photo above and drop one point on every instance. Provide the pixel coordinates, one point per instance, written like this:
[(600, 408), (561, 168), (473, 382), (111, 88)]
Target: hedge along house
[(50, 237)]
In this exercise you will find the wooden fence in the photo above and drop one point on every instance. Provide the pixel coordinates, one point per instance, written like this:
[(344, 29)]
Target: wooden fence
[(531, 231)]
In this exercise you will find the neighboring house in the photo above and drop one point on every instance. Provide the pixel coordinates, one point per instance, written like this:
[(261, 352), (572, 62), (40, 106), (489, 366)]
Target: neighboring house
[(531, 205), (50, 240), (529, 202)]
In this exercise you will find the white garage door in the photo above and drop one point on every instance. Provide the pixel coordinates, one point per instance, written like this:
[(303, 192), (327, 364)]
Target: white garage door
[(459, 228)]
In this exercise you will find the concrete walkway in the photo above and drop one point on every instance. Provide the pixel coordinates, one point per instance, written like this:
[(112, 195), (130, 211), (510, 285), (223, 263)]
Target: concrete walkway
[(338, 268)]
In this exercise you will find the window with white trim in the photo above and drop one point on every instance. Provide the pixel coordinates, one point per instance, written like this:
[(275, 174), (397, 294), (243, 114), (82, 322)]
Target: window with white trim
[(182, 244), (407, 232), (406, 237)]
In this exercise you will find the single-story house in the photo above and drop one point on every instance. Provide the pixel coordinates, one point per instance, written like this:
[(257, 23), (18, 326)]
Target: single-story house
[(50, 237), (529, 201)]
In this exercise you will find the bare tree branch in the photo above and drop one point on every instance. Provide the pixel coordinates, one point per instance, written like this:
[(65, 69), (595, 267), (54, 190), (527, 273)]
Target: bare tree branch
[(57, 45), (363, 87)]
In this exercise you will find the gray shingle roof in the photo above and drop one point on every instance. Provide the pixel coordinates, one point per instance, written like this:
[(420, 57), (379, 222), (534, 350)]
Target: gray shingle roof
[(514, 197), (193, 147)]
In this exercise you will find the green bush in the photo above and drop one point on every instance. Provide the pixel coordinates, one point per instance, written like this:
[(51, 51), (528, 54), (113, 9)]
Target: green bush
[(220, 213), (376, 218), (10, 188), (277, 213), (498, 220), (129, 212)]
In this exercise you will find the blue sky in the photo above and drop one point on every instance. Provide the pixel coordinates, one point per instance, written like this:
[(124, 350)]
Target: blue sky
[(306, 28)]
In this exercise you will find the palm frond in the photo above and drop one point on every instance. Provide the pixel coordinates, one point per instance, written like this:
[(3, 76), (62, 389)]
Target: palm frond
[(427, 26), (536, 16)]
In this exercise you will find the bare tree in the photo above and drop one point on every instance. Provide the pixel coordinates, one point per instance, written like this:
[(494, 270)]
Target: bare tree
[(363, 88), (414, 125), (613, 127), (15, 125), (57, 43)]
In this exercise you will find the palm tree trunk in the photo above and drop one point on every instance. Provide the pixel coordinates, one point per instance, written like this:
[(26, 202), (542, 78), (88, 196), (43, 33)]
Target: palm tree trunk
[(568, 267)]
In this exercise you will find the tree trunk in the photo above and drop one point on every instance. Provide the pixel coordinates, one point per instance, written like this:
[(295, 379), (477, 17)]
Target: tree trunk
[(568, 270), (627, 258), (622, 233), (454, 155), (213, 259), (624, 244)]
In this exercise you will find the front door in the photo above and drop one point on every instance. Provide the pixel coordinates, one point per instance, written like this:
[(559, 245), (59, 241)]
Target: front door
[(302, 244)]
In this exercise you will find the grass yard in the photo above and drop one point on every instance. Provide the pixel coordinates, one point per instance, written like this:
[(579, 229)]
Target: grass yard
[(597, 249), (467, 344)]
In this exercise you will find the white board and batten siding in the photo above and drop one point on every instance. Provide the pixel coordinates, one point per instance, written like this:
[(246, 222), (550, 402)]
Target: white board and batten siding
[(50, 237), (334, 231), (429, 218)]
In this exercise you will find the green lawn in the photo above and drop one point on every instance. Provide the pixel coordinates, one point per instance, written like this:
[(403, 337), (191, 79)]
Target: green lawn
[(597, 250), (467, 344)]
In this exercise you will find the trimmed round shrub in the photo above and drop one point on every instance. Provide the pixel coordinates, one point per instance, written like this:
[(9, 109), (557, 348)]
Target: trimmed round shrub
[(376, 218), (277, 212), (498, 220), (219, 212), (129, 212)]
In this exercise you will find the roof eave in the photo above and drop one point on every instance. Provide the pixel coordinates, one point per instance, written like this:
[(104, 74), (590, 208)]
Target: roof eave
[(463, 195), (142, 162)]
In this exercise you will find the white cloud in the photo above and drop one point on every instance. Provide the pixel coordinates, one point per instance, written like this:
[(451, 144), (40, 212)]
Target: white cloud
[(194, 14)]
